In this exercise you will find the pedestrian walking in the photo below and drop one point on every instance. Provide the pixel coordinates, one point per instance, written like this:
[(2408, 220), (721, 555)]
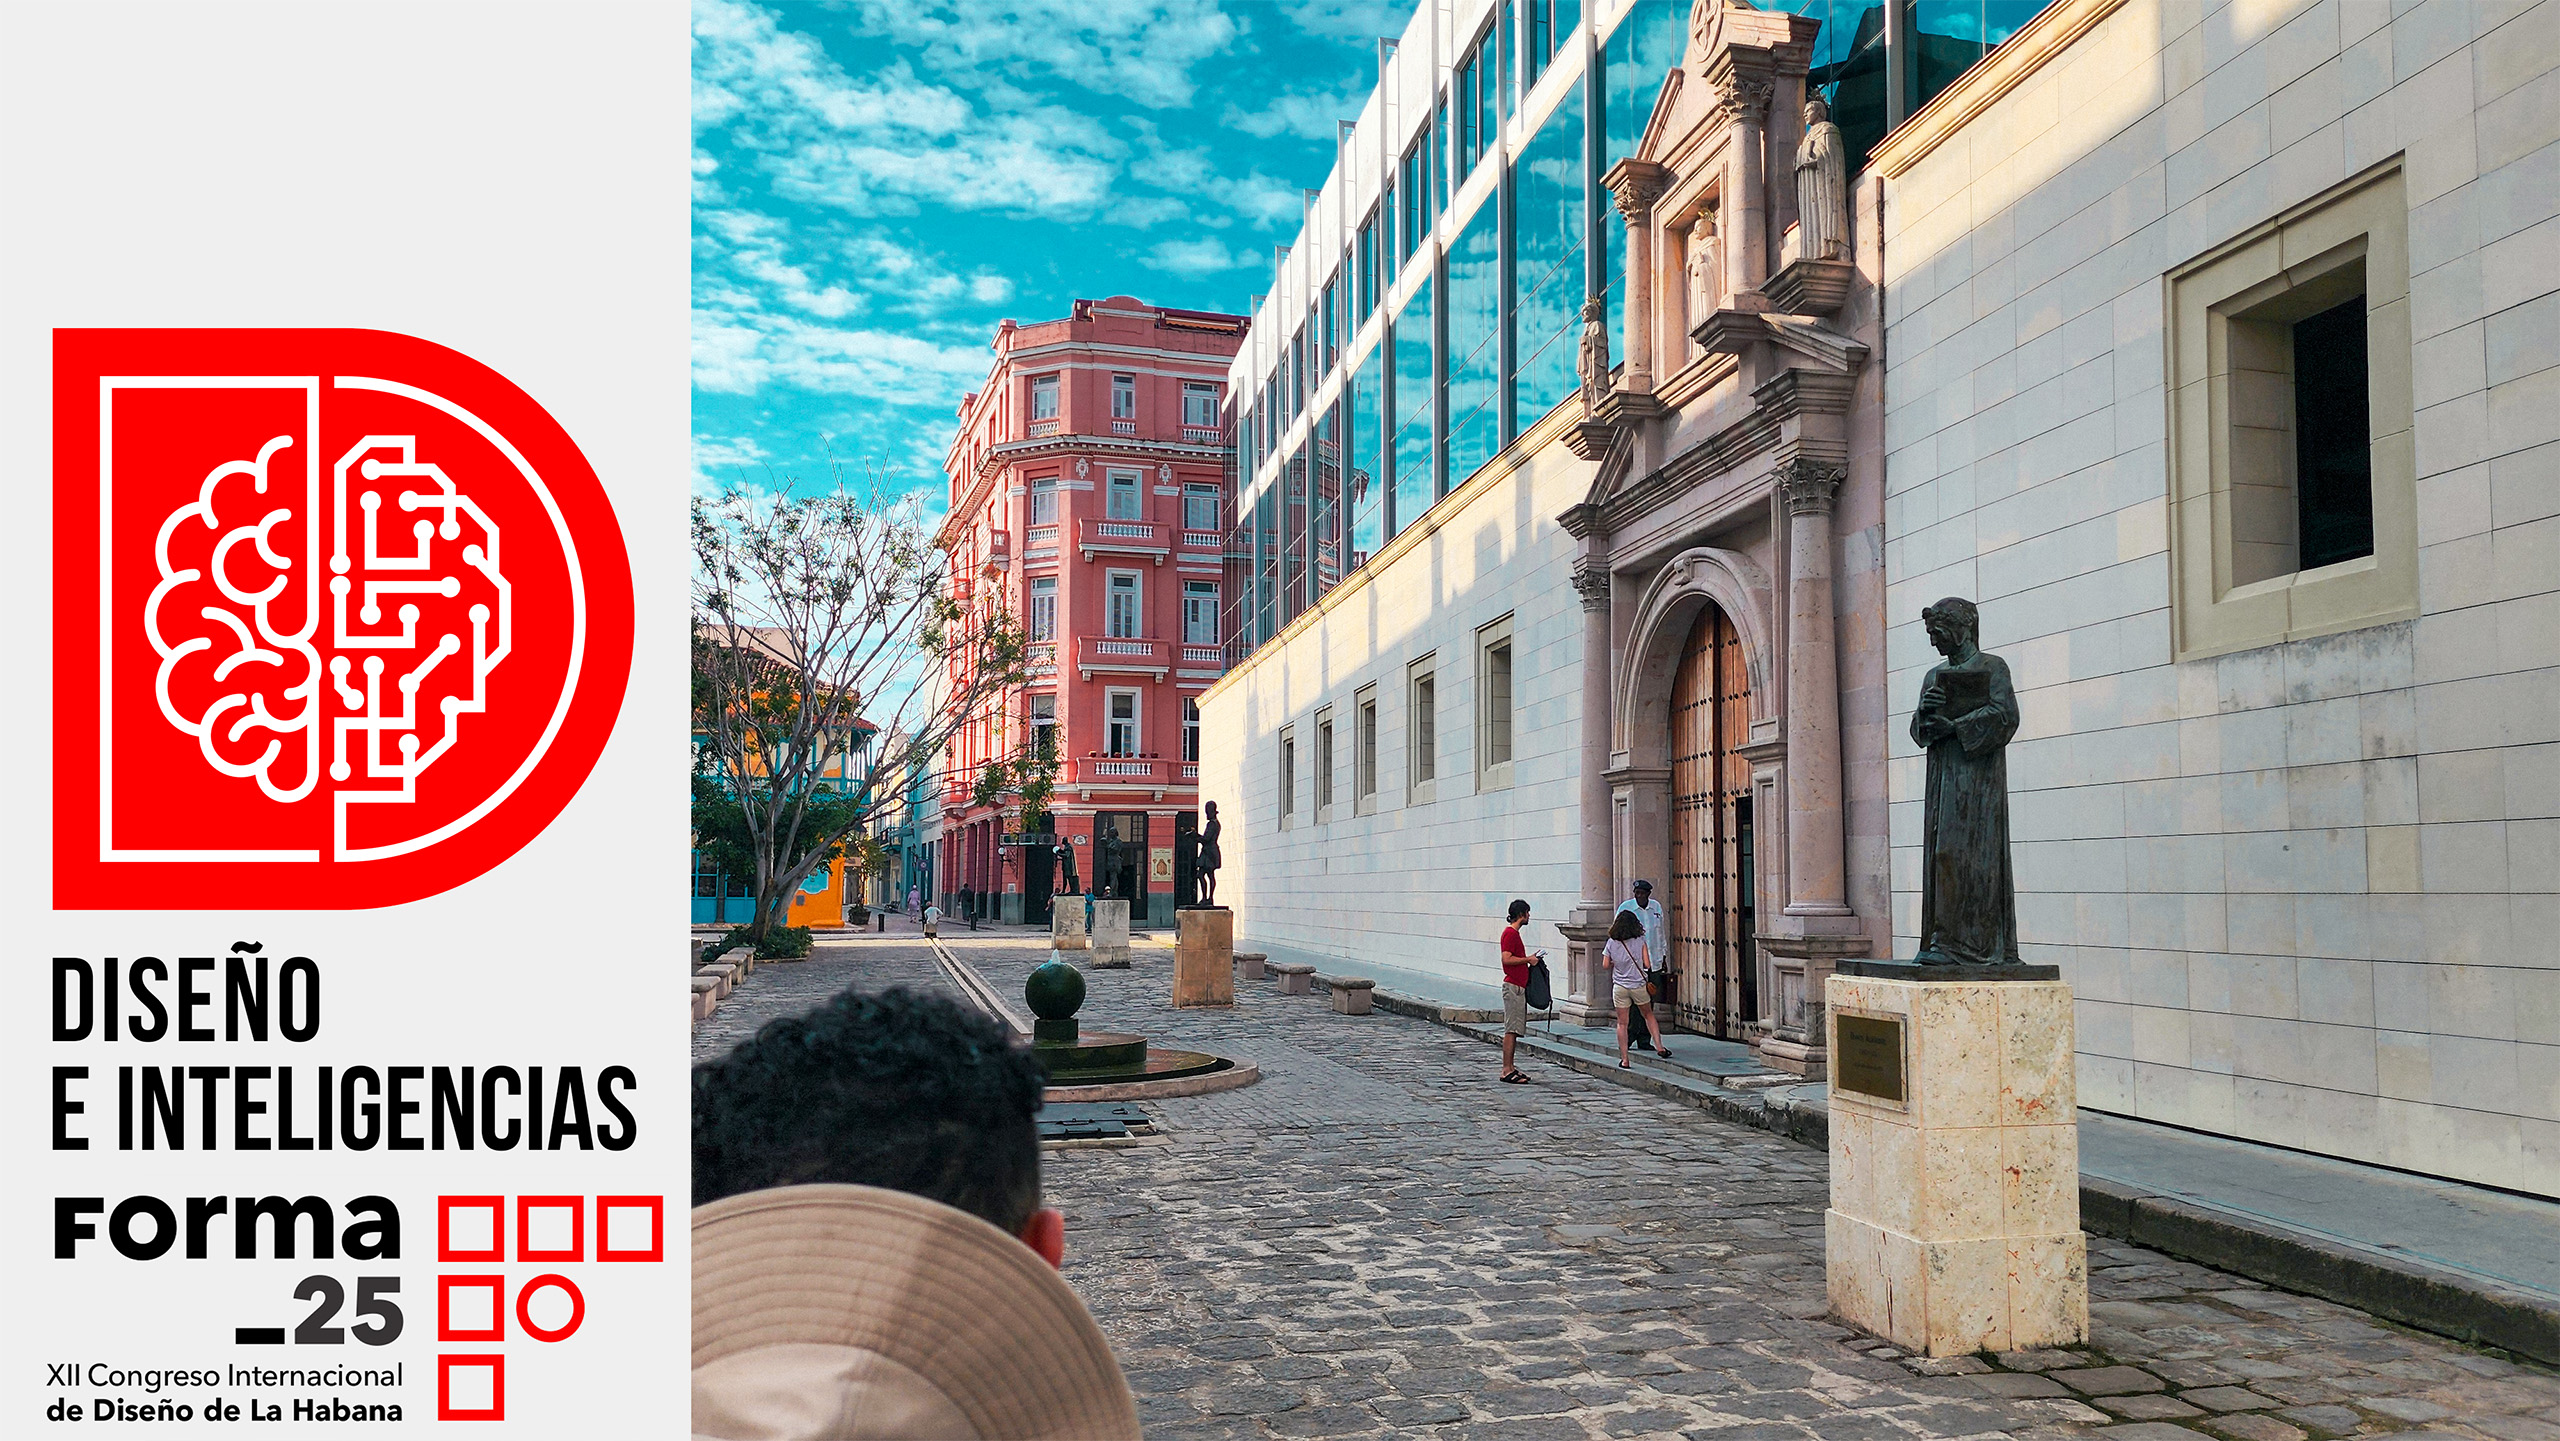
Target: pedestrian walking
[(1515, 989), (969, 904), (915, 899), (933, 921), (1626, 957), (1657, 953)]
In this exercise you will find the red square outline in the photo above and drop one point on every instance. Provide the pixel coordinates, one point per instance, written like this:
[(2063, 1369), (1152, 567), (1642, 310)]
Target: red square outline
[(497, 1410), (577, 1250), (497, 1208), (657, 1228), (496, 1330)]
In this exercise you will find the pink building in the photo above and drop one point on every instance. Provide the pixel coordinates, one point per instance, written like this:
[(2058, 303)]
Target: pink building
[(1088, 479)]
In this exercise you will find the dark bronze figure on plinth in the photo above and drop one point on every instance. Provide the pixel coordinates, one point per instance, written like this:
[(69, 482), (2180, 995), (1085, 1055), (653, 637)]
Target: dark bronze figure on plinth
[(1205, 867), (1966, 715)]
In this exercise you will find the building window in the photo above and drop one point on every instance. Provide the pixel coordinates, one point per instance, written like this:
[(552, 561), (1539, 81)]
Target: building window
[(1042, 622), (1044, 397), (1288, 777), (1422, 706), (2292, 461), (1190, 729), (1364, 750), (1124, 397), (1324, 764), (1413, 187), (1298, 373), (1493, 704), (1199, 404), (1126, 502), (1199, 506), (1199, 612), (1364, 269), (1044, 500), (1324, 308), (1120, 716), (1123, 620), (1044, 726)]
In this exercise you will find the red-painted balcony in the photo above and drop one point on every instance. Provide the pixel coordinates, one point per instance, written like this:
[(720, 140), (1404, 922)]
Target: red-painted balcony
[(1122, 655), (1149, 538), (1137, 770)]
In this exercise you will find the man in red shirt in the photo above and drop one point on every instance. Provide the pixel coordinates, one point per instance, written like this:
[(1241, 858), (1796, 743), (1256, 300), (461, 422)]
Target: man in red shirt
[(1515, 989)]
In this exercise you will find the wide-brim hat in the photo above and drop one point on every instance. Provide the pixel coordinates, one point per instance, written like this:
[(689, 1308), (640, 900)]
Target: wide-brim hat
[(827, 1312)]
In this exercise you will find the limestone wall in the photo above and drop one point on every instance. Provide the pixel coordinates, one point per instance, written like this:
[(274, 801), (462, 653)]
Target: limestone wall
[(1415, 884), (2304, 892)]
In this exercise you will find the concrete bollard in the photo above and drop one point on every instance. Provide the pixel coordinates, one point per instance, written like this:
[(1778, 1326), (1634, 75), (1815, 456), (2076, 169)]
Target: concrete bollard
[(1296, 978), (1249, 964), (1351, 994)]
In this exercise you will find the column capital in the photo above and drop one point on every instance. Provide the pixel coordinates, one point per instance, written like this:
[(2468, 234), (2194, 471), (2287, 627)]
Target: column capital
[(1634, 185), (1810, 485), (1591, 582), (1744, 96)]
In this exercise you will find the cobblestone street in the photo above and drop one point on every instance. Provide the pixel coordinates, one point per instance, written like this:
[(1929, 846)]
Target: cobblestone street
[(1378, 1239)]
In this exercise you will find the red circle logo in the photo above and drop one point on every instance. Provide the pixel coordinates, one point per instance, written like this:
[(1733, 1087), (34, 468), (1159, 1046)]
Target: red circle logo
[(342, 618)]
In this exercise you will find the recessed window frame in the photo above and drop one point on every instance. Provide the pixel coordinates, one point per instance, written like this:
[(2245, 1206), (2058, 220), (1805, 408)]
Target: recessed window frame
[(1199, 506), (1199, 404), (1044, 501), (1325, 757), (1123, 735), (1497, 705), (1124, 396), (1044, 397), (1199, 612), (1127, 494), (1285, 762), (1041, 608), (1124, 622), (1422, 731), (1364, 750), (2299, 254), (1191, 729)]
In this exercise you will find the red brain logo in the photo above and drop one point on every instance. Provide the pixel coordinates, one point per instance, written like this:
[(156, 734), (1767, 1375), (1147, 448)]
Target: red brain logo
[(347, 613)]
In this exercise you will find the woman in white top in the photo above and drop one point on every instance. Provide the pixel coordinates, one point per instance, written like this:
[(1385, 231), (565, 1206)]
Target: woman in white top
[(1626, 957)]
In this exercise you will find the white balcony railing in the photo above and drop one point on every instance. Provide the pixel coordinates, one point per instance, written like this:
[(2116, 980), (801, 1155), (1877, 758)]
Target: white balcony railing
[(1124, 427), (1203, 655), (1199, 540), (1200, 434), (1043, 427)]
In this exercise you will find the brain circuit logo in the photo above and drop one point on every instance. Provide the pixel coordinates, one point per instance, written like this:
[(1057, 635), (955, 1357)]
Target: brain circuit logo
[(342, 618)]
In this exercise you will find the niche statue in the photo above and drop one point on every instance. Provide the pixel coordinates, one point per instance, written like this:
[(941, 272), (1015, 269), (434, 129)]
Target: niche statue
[(1822, 187), (1967, 712)]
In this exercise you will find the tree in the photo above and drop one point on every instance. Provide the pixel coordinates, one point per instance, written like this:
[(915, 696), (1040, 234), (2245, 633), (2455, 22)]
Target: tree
[(808, 609)]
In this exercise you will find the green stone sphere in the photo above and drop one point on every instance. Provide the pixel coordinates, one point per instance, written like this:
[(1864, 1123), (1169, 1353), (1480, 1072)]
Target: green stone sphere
[(1055, 990)]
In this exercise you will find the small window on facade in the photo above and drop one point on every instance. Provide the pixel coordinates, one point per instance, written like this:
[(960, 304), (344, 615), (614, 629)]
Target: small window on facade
[(1126, 502), (1199, 612), (2332, 436), (1121, 716), (1324, 763), (1199, 404), (1199, 507), (1364, 750), (1044, 725), (1424, 705), (1324, 310), (1044, 500), (1044, 397), (1416, 182), (1365, 268), (1124, 616), (1042, 622), (1493, 704), (1190, 729), (1124, 397), (1288, 776)]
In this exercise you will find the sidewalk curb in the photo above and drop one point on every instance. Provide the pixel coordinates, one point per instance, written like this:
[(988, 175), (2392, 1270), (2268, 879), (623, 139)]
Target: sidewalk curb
[(2467, 1308)]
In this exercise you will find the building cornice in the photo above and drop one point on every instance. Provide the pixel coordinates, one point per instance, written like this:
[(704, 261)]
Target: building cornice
[(2009, 65)]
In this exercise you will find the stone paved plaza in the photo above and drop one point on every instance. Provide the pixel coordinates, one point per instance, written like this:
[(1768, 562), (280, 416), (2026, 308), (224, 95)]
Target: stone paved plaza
[(1377, 1239)]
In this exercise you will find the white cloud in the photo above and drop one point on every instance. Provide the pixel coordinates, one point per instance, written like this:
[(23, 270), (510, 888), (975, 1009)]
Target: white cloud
[(1143, 53), (1309, 116), (991, 289), (1203, 256), (1351, 19)]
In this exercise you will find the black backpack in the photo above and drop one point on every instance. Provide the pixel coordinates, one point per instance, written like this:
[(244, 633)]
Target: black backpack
[(1541, 991)]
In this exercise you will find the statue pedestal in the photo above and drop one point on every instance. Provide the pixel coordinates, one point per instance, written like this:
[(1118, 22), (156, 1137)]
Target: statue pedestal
[(1954, 1224), (1066, 924), (1204, 965), (1110, 935)]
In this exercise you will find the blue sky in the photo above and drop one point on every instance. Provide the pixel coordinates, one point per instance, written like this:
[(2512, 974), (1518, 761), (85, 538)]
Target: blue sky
[(877, 183)]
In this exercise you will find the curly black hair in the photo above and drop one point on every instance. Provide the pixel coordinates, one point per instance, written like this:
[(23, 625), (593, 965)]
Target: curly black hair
[(897, 1088)]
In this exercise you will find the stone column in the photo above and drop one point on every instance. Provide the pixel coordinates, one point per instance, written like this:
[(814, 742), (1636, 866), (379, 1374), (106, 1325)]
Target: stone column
[(1746, 223), (1589, 1003), (1635, 193), (1817, 879)]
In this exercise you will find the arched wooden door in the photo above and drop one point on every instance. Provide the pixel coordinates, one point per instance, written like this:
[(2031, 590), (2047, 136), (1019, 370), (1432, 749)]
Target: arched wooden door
[(1710, 901)]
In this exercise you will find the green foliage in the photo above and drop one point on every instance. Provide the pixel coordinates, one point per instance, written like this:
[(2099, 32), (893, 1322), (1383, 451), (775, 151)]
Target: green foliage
[(782, 943)]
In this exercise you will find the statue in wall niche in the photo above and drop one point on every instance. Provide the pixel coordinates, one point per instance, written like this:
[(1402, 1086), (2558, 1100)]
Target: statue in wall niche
[(1822, 187), (1703, 275), (1966, 715), (1592, 362)]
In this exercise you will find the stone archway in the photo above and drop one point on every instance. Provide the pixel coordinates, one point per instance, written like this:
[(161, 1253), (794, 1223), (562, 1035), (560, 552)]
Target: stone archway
[(1665, 614)]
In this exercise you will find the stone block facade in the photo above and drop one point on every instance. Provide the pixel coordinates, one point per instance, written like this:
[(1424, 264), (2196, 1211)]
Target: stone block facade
[(2306, 891)]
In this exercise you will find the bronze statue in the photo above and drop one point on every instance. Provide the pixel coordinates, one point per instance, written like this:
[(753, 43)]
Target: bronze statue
[(1205, 865), (1966, 715), (1062, 870)]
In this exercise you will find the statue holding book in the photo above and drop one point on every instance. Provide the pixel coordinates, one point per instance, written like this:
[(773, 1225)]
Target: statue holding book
[(1966, 715)]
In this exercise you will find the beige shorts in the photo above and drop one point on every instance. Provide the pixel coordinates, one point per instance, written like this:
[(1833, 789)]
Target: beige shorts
[(1515, 1009), (1627, 996)]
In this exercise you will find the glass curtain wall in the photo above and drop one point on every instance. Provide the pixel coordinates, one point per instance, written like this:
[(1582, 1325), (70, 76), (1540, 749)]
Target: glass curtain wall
[(1550, 219), (1266, 551), (1947, 36), (1364, 431), (1413, 401), (1635, 59), (1475, 344), (1293, 529), (1324, 517)]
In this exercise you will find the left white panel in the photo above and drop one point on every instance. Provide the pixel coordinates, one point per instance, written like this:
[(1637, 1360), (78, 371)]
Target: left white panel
[(509, 182)]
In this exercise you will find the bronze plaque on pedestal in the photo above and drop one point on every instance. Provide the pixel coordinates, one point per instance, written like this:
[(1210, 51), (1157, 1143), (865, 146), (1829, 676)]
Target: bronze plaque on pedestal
[(1869, 1060)]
